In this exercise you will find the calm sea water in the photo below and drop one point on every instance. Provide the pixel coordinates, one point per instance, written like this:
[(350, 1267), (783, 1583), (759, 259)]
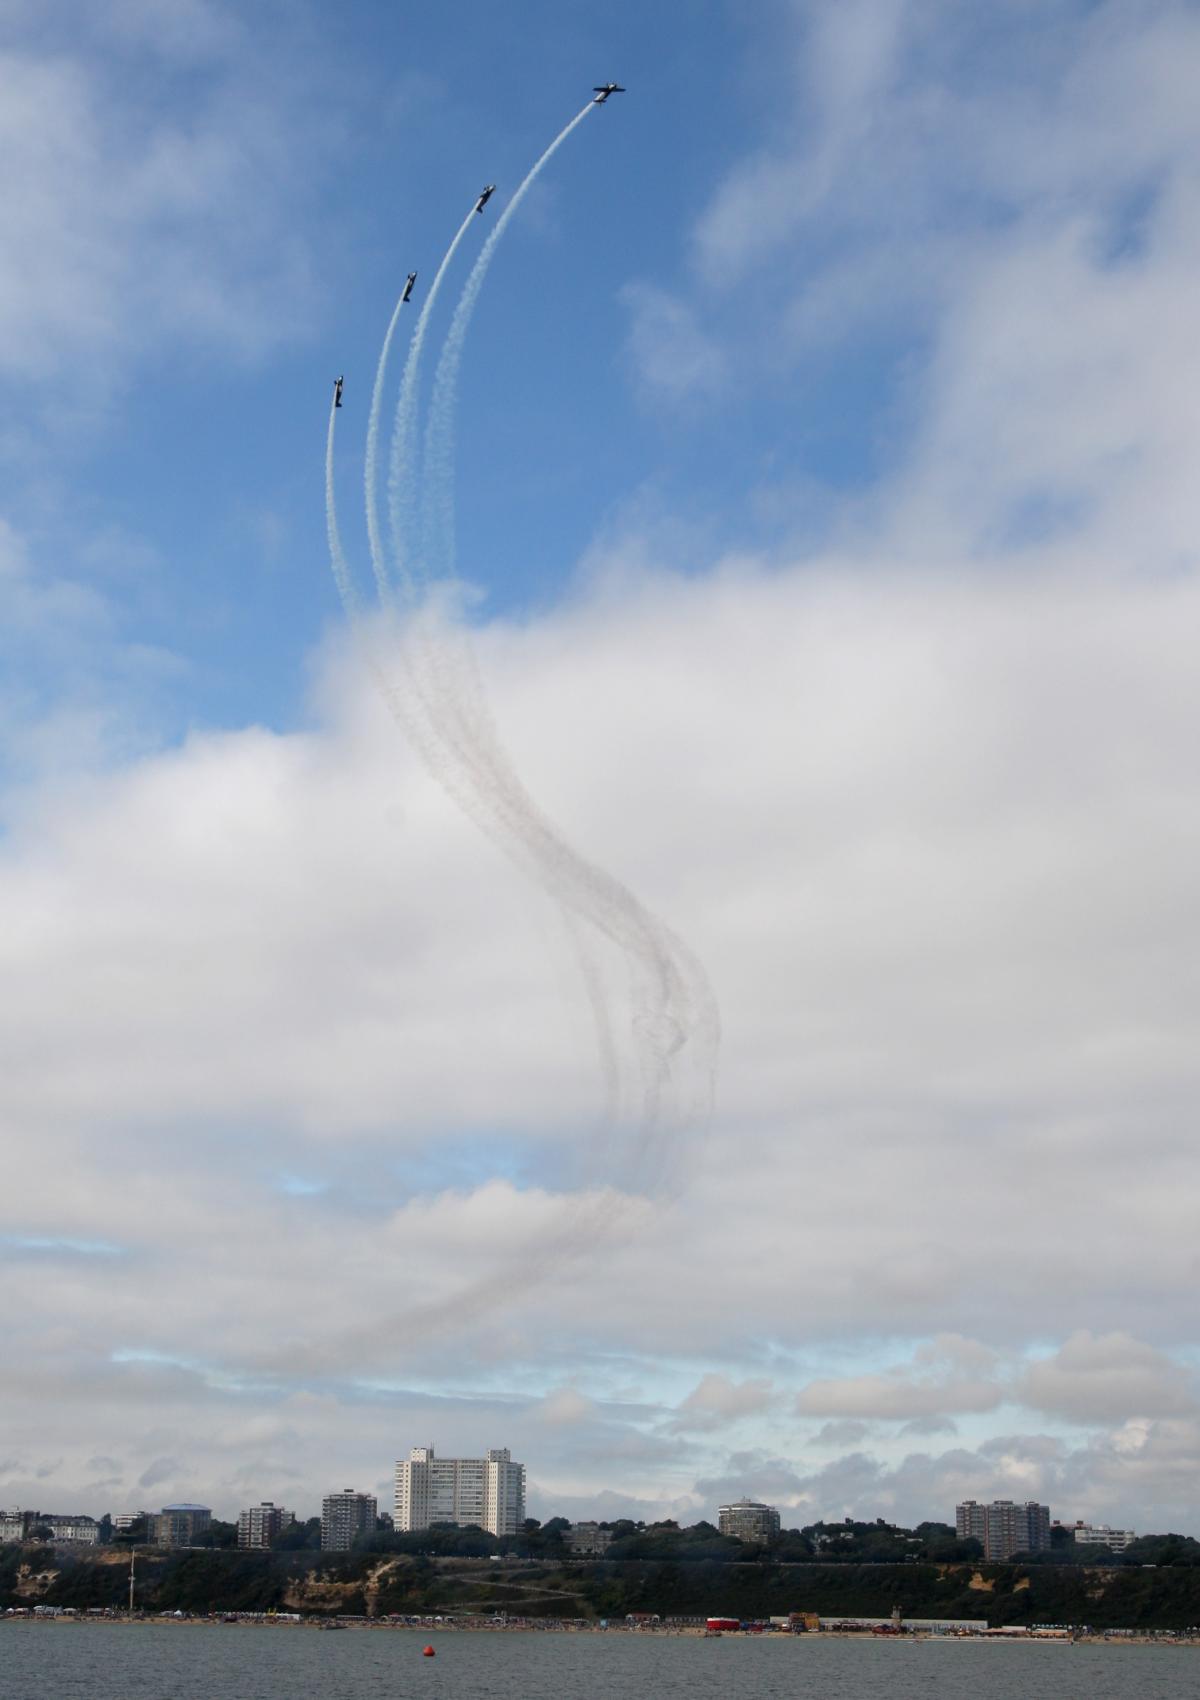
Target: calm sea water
[(55, 1661)]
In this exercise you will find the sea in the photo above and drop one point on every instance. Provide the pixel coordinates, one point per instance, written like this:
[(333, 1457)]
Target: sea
[(189, 1661)]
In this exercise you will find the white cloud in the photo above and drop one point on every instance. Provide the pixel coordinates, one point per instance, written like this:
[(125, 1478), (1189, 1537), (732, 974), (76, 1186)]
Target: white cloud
[(1005, 216), (565, 1405), (949, 1373), (880, 1396), (841, 1433), (669, 352), (951, 929), (1103, 1378), (148, 204), (717, 1400)]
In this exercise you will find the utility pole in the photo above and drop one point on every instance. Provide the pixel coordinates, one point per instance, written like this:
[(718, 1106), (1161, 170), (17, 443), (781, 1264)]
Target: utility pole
[(132, 1562)]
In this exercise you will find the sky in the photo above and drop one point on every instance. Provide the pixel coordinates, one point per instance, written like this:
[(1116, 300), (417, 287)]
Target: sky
[(827, 531)]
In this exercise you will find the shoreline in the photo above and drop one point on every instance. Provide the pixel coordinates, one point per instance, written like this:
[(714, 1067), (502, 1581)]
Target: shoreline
[(428, 1626)]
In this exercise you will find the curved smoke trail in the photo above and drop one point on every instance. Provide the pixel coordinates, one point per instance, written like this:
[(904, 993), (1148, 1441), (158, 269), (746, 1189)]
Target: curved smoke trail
[(337, 555), (444, 712), (673, 1002), (371, 460), (438, 518), (465, 717), (402, 466)]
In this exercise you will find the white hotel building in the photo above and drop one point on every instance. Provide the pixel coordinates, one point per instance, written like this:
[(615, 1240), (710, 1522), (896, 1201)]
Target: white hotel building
[(1100, 1535), (486, 1492)]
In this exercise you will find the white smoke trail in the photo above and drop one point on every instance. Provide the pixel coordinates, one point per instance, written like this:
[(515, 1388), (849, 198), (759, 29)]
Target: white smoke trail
[(451, 674), (407, 713), (452, 669), (672, 1001), (371, 461), (403, 471), (441, 706), (337, 555), (438, 518)]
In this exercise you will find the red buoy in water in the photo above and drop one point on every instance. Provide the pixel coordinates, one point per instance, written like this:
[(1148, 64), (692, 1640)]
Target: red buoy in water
[(428, 1653)]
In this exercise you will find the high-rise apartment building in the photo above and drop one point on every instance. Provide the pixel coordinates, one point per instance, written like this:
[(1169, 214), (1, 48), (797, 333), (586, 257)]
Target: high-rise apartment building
[(747, 1520), (260, 1524), (485, 1492), (1004, 1527), (178, 1525), (344, 1517)]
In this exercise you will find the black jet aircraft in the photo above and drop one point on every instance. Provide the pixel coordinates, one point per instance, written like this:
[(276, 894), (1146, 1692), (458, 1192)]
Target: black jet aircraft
[(489, 191), (603, 90), (412, 278), (337, 391)]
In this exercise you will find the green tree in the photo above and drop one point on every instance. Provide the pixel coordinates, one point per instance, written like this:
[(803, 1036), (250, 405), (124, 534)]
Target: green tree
[(218, 1534), (299, 1536)]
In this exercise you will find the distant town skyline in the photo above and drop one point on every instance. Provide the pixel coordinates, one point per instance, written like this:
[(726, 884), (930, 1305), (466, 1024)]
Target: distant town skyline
[(487, 1494)]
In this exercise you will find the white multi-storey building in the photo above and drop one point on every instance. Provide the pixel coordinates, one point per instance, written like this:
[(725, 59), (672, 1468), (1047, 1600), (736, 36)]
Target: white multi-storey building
[(488, 1493), (20, 1526), (1100, 1535), (748, 1520), (84, 1531)]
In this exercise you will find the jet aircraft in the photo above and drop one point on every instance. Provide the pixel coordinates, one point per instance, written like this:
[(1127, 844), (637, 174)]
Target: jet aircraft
[(337, 391), (489, 191), (412, 278), (603, 90)]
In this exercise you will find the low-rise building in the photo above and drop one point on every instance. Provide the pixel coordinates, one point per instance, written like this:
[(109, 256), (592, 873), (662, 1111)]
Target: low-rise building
[(124, 1521), (260, 1525), (910, 1625), (344, 1517), (1100, 1535), (80, 1531), (748, 1520), (26, 1525), (588, 1540)]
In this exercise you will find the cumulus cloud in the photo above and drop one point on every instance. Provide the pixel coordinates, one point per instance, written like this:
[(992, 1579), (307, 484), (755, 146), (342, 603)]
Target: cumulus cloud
[(927, 1425), (282, 953), (565, 1405), (840, 1433), (717, 1400), (138, 218), (886, 1396), (1104, 1378), (669, 352), (947, 1373)]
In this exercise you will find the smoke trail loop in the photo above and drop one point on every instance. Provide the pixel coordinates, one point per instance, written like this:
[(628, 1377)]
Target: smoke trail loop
[(439, 701)]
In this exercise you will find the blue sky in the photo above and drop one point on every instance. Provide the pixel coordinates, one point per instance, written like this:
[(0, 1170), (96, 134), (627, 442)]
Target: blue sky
[(194, 459), (825, 450)]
